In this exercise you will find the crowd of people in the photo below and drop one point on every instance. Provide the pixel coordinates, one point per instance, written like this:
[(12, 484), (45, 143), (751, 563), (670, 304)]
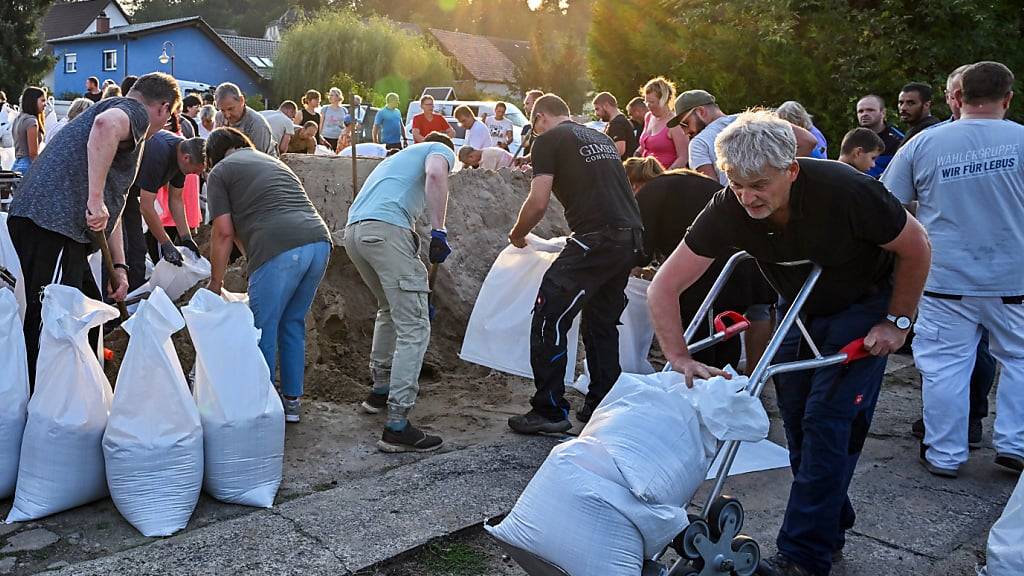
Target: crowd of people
[(914, 231)]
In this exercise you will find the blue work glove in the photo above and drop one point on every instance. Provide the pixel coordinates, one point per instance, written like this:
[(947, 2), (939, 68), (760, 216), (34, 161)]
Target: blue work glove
[(439, 248)]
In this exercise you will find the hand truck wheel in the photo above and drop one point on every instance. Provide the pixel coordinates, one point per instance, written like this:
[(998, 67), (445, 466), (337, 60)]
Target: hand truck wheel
[(685, 543), (747, 555), (725, 516)]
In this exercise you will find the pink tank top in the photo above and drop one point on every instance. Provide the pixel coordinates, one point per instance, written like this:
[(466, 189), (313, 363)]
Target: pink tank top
[(190, 194), (658, 145)]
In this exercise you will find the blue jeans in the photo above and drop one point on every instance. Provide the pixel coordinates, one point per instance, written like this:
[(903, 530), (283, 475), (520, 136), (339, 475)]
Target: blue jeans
[(22, 165), (827, 413), (281, 291)]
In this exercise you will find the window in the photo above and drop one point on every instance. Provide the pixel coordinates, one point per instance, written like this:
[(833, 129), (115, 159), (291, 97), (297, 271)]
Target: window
[(70, 63), (109, 60), (268, 62), (257, 62)]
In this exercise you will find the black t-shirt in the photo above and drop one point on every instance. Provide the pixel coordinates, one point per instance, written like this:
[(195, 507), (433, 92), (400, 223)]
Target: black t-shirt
[(919, 127), (621, 130), (315, 117), (590, 181), (94, 97), (838, 218), (159, 165), (668, 206), (638, 129)]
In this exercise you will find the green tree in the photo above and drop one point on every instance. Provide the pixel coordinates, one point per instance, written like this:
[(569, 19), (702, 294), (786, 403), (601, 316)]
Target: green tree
[(372, 52), (247, 17), (556, 64), (21, 61)]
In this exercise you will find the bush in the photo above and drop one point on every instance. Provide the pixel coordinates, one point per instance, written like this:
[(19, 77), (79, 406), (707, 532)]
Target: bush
[(373, 54)]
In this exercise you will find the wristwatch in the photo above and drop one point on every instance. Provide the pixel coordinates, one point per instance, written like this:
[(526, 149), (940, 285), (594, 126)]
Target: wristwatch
[(901, 322), (122, 267)]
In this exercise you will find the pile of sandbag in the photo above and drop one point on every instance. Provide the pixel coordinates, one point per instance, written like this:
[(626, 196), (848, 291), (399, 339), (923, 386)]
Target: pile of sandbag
[(606, 501), (13, 389), (1005, 552)]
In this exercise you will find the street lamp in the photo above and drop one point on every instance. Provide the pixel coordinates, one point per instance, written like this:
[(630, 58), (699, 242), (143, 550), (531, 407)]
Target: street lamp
[(164, 58)]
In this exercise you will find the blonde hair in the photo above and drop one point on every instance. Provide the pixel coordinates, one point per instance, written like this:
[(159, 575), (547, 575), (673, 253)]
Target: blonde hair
[(793, 112), (78, 106), (640, 171), (335, 91), (111, 91), (311, 95), (663, 89)]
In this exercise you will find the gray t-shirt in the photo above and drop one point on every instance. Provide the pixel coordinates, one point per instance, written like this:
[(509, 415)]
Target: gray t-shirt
[(269, 208), (20, 132), (55, 191), (256, 127), (280, 124), (702, 147), (335, 120), (968, 179)]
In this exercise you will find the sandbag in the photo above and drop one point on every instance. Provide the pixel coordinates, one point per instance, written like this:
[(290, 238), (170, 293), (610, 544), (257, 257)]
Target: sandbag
[(61, 453), (636, 333), (241, 413), (498, 333), (9, 260), (175, 280), (13, 390), (1005, 555), (153, 445)]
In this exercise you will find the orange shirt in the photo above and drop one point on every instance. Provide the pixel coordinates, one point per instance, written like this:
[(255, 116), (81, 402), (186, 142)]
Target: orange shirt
[(436, 124)]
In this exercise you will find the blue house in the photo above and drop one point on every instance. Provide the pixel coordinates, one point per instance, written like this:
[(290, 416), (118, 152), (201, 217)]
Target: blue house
[(187, 48)]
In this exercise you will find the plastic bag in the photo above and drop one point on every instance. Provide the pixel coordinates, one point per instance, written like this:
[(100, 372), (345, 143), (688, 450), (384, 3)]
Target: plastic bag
[(153, 445), (498, 334), (9, 260), (61, 453), (242, 415), (727, 409), (1005, 555), (175, 280), (636, 333), (13, 390)]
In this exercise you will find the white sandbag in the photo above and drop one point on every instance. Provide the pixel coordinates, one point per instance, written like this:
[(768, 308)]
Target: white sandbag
[(9, 260), (61, 453), (727, 410), (153, 445), (498, 334), (175, 280), (13, 390), (1005, 555), (636, 333), (242, 415), (577, 514), (322, 150)]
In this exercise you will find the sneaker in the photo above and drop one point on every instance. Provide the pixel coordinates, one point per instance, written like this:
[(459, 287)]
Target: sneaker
[(534, 422), (974, 434), (292, 409), (374, 403), (585, 412), (1010, 461), (409, 439), (933, 469), (780, 565)]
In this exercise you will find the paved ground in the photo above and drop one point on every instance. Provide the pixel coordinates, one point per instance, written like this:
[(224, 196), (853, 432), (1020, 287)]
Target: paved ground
[(344, 509)]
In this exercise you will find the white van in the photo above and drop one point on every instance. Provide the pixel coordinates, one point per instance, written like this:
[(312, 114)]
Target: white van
[(447, 108)]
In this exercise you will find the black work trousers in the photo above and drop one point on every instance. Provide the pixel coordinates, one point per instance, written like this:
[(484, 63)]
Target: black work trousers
[(589, 276), (134, 239), (48, 258)]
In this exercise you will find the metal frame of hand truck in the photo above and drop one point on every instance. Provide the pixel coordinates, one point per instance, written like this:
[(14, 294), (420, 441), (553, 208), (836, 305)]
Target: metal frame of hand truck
[(712, 545)]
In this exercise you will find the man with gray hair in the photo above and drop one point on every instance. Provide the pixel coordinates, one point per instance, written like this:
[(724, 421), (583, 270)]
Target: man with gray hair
[(235, 114), (875, 259)]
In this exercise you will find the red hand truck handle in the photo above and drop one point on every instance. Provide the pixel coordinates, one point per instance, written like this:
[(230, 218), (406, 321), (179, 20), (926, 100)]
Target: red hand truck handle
[(738, 324), (855, 351)]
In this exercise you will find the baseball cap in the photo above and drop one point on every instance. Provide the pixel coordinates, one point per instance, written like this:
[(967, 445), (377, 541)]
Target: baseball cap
[(687, 101)]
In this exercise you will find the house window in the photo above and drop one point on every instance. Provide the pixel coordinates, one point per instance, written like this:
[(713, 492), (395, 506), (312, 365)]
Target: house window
[(70, 63), (109, 60)]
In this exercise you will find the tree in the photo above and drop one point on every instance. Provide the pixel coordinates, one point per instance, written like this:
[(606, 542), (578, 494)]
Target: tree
[(556, 64), (373, 53), (21, 59), (823, 53), (247, 17)]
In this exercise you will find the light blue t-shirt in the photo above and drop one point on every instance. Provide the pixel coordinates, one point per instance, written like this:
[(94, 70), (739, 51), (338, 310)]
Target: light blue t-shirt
[(968, 179), (390, 122), (702, 146), (394, 192)]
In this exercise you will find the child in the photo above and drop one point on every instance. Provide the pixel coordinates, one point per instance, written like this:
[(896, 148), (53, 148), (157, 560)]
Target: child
[(860, 148)]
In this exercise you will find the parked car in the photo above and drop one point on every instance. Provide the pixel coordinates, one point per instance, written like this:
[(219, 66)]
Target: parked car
[(447, 108)]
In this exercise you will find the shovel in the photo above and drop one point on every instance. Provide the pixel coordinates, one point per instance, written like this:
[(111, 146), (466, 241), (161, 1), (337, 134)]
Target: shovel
[(101, 240), (431, 278)]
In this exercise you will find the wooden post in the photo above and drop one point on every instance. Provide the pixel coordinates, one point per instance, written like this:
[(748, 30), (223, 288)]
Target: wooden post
[(355, 141)]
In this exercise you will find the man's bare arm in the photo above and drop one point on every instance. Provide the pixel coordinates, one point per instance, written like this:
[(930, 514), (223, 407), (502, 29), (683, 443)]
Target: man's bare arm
[(533, 209), (436, 187)]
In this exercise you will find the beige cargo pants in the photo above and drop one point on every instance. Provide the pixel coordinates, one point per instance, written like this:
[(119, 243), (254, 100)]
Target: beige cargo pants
[(387, 258)]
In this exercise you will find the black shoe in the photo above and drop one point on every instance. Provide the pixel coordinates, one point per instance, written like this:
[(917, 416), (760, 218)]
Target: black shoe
[(534, 422), (917, 428), (1010, 461), (374, 403), (932, 468), (974, 434), (837, 556), (409, 439), (585, 412), (779, 565)]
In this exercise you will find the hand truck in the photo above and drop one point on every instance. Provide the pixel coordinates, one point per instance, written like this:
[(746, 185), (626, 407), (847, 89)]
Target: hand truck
[(712, 544)]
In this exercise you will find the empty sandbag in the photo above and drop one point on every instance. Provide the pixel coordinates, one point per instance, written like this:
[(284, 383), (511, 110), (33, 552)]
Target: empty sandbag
[(153, 445), (241, 413), (13, 390), (61, 452)]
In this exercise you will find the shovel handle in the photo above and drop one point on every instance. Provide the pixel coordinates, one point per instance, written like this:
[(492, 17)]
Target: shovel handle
[(108, 261)]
